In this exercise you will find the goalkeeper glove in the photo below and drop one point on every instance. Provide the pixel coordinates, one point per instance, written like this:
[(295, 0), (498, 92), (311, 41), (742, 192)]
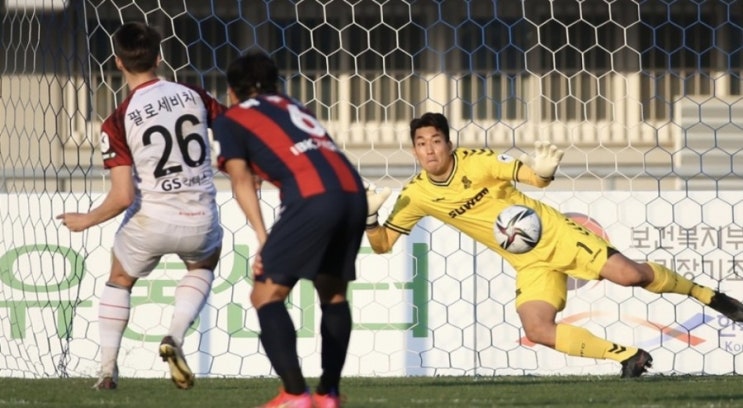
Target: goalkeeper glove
[(545, 161), (374, 201)]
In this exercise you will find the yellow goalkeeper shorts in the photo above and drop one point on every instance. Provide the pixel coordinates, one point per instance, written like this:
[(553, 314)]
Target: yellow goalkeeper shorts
[(579, 253)]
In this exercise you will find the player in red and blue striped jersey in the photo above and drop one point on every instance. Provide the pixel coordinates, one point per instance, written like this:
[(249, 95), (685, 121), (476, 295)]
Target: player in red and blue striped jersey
[(269, 136)]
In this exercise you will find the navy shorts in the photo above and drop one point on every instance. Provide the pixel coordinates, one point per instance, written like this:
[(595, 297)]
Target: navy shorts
[(318, 235)]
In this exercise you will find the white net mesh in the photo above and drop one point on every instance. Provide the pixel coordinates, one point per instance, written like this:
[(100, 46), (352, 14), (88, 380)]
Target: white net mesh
[(643, 96)]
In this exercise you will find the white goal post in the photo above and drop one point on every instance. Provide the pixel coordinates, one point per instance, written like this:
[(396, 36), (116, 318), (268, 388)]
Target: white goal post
[(645, 98)]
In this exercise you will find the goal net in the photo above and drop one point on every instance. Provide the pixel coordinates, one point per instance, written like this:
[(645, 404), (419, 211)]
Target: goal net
[(644, 97)]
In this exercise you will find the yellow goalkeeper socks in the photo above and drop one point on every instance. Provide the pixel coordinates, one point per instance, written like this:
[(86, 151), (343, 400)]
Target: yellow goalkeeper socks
[(579, 342), (668, 281)]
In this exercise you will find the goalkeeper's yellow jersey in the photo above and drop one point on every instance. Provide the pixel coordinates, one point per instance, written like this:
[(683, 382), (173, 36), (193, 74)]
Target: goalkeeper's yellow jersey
[(480, 186)]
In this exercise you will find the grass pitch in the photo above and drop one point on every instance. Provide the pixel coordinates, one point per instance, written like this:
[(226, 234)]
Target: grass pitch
[(425, 392)]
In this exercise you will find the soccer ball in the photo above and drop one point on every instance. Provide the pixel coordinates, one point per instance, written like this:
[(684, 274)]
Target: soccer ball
[(517, 229)]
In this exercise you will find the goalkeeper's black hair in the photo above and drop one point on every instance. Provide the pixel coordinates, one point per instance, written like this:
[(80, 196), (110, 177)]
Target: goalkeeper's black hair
[(138, 46), (251, 73), (436, 120)]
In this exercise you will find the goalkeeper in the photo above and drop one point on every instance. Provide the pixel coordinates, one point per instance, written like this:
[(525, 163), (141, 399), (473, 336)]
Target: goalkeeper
[(468, 188)]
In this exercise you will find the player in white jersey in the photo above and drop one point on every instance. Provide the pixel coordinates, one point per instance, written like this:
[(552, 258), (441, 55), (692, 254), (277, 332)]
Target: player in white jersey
[(160, 128), (156, 147)]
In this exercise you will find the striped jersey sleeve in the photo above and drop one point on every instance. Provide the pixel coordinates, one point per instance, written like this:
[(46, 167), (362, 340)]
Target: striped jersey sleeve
[(286, 145)]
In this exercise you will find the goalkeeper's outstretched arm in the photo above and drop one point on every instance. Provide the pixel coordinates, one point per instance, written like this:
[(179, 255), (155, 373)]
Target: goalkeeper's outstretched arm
[(380, 238), (539, 170)]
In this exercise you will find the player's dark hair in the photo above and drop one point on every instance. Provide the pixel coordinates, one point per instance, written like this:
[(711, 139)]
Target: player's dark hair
[(253, 72), (137, 45), (436, 120)]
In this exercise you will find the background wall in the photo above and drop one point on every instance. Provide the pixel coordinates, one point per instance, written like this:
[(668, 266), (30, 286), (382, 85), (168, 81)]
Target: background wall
[(644, 96)]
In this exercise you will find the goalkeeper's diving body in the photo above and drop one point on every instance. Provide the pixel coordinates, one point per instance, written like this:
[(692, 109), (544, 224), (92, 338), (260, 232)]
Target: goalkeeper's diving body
[(468, 188)]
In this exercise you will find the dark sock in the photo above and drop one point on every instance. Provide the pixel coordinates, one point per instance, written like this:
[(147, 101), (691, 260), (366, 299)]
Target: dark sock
[(279, 339), (335, 328)]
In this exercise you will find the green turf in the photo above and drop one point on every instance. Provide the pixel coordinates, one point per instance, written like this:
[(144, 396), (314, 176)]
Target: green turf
[(426, 392)]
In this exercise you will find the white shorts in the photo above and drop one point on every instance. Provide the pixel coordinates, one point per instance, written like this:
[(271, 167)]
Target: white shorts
[(141, 241)]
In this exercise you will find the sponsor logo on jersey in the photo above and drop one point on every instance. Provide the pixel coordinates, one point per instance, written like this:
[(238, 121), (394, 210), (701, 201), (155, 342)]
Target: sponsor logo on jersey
[(176, 183), (471, 203), (312, 144)]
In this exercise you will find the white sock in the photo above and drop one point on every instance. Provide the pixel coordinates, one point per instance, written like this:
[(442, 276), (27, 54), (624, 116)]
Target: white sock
[(113, 316), (190, 296)]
